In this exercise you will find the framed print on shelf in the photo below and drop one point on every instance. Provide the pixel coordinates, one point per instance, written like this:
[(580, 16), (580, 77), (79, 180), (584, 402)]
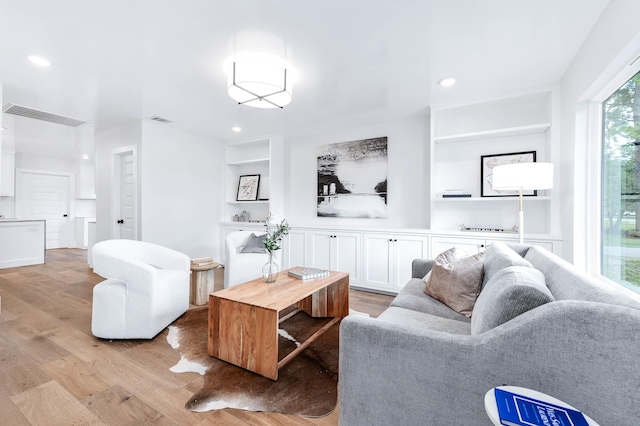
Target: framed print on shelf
[(488, 162), (248, 188)]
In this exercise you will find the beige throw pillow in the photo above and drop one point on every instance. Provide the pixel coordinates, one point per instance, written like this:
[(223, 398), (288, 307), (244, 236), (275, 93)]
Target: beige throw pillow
[(455, 280)]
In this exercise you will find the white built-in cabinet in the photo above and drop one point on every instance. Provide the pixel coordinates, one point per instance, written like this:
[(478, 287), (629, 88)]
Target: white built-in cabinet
[(460, 135), (8, 173), (378, 260), (262, 157), (87, 180), (336, 251), (388, 257)]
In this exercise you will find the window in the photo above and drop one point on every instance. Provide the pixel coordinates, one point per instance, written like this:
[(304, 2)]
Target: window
[(620, 226)]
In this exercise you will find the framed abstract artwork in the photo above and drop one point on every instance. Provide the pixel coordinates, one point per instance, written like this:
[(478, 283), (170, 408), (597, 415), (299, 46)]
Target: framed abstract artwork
[(248, 188), (488, 162)]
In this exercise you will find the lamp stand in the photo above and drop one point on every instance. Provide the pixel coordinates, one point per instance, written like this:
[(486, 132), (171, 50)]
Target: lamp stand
[(520, 219)]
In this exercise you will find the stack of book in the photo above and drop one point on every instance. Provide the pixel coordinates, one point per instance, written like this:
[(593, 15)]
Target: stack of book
[(455, 193), (202, 261), (308, 273)]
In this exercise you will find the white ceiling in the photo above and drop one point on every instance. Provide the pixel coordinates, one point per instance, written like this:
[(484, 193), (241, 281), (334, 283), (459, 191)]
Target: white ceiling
[(357, 61)]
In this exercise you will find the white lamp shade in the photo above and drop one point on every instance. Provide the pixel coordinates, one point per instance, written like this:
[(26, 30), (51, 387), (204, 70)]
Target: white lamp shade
[(525, 176), (253, 79)]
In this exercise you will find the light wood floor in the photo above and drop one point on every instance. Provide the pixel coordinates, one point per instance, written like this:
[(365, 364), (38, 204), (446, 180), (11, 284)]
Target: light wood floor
[(53, 371)]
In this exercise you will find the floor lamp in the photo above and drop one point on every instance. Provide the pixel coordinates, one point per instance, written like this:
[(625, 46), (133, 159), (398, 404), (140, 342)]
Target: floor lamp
[(522, 177)]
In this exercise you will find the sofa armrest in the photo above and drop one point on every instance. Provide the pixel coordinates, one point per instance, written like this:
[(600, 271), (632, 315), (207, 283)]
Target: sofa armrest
[(420, 267), (583, 353)]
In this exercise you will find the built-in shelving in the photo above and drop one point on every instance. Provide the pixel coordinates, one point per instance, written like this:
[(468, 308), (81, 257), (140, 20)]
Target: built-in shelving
[(494, 133), (262, 157), (461, 135)]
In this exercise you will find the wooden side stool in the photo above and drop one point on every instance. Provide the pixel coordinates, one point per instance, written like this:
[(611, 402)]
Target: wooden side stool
[(202, 280)]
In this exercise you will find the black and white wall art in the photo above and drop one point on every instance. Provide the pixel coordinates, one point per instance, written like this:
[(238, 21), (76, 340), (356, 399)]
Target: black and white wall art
[(352, 179)]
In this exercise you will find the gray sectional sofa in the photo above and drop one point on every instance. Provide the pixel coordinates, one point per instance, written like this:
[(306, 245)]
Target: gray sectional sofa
[(421, 363)]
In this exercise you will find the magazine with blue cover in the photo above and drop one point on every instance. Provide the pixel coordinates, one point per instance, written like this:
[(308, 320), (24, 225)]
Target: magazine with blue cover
[(519, 410)]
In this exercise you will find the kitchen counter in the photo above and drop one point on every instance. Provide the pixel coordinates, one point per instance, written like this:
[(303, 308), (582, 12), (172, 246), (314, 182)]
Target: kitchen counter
[(22, 242)]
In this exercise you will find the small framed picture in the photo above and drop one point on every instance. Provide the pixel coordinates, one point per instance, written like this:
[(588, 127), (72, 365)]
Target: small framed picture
[(488, 162), (248, 188)]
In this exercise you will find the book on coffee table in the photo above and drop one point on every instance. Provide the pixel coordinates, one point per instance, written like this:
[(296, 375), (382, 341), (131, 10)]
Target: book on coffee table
[(308, 273)]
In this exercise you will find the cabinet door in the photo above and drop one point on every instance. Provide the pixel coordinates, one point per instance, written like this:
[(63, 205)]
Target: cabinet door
[(295, 249), (470, 245), (346, 256), (378, 262), (7, 178), (321, 249), (405, 249)]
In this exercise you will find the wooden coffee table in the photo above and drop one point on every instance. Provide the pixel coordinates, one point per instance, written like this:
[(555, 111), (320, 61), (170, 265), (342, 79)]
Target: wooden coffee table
[(243, 320)]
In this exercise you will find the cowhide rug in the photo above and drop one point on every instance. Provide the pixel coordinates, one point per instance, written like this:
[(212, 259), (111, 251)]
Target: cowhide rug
[(307, 386)]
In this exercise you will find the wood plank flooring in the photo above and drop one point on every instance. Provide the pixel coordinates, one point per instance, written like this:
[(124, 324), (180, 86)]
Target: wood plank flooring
[(53, 371)]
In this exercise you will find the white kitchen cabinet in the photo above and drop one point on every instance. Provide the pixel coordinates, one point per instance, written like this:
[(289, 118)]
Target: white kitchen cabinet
[(7, 178), (336, 251), (388, 257), (87, 181)]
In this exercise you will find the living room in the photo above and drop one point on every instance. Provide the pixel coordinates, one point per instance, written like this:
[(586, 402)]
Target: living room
[(537, 62)]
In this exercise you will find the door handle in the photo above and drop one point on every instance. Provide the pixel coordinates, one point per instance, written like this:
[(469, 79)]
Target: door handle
[(120, 221), (65, 215)]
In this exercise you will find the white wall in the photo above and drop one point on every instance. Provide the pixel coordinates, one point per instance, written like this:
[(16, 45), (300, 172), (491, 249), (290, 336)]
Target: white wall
[(106, 143), (182, 181), (612, 44), (408, 174)]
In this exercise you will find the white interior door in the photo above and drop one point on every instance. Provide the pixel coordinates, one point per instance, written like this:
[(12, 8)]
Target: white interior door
[(125, 194), (46, 196)]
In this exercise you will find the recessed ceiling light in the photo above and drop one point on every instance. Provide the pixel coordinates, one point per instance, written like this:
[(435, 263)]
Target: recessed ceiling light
[(41, 62), (448, 81), (85, 156), (236, 128), (3, 128)]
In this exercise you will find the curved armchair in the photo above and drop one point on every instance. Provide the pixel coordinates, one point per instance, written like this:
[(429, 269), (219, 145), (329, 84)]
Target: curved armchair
[(242, 267), (146, 289)]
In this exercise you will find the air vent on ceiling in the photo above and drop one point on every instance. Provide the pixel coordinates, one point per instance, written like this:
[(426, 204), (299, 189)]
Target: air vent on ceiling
[(160, 119), (42, 115)]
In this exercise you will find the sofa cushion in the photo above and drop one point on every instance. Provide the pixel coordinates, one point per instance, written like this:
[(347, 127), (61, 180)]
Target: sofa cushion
[(254, 244), (412, 297), (407, 317), (510, 292), (455, 280), (498, 256)]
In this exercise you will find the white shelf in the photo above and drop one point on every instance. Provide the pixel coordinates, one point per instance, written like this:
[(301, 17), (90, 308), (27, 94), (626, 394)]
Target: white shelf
[(249, 202), (494, 199), (247, 162), (496, 133)]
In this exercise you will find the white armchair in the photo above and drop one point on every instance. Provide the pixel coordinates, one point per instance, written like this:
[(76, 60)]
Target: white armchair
[(146, 289), (242, 267)]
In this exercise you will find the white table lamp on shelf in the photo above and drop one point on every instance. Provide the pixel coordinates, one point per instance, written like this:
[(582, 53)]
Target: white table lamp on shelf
[(522, 177)]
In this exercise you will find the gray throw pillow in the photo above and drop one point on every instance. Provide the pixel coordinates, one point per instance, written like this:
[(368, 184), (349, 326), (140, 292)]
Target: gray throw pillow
[(455, 280), (510, 292), (498, 256), (254, 244)]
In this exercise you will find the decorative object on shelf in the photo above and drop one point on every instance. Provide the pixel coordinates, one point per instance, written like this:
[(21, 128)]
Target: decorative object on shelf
[(489, 162), (271, 269), (455, 193), (467, 229), (248, 188), (260, 81), (352, 179), (243, 217), (522, 177)]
